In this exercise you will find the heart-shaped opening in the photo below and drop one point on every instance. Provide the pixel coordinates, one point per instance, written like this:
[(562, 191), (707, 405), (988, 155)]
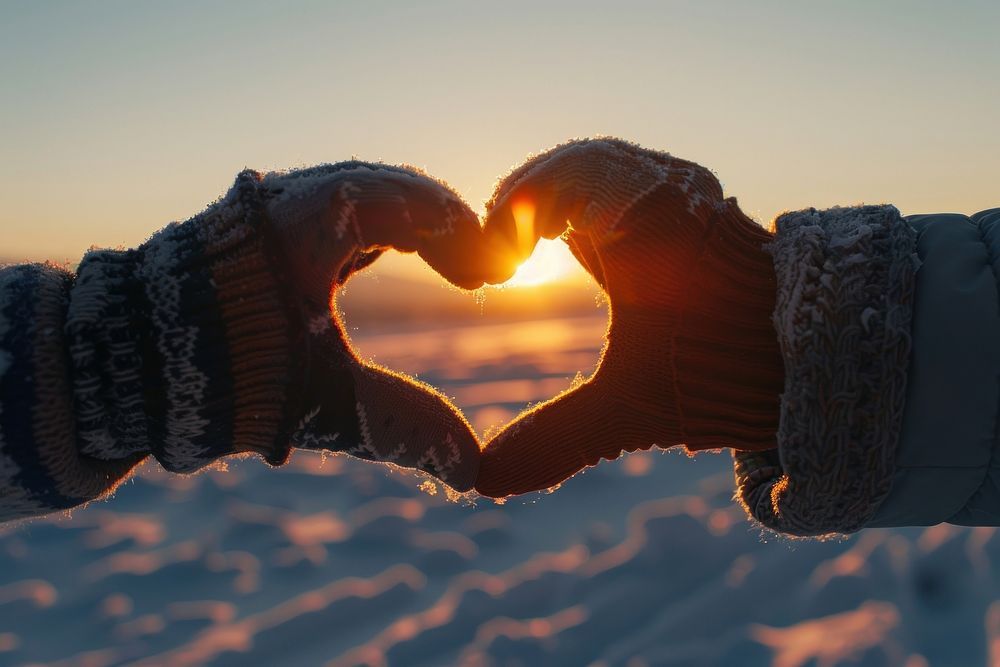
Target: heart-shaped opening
[(493, 352)]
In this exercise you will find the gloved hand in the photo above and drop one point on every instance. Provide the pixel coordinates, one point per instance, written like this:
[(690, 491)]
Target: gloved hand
[(218, 335), (330, 222), (691, 355)]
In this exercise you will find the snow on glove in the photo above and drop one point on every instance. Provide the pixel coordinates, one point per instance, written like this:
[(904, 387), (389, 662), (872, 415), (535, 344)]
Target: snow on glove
[(691, 355), (217, 337)]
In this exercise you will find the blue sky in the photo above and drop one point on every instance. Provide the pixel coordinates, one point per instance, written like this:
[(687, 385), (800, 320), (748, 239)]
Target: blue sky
[(119, 117)]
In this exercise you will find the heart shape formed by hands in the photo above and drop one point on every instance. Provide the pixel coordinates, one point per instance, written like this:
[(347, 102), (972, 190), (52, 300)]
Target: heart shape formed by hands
[(691, 357)]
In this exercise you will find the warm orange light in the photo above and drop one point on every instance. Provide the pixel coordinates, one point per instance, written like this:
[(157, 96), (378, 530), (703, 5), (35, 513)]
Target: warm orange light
[(524, 220), (551, 261)]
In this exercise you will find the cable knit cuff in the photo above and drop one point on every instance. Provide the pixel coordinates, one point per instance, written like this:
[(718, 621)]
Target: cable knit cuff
[(846, 279), (183, 347)]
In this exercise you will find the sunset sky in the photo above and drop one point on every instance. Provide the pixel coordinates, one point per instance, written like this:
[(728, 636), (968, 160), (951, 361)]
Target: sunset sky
[(118, 117)]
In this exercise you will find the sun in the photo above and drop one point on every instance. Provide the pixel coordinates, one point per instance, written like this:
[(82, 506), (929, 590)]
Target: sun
[(550, 261)]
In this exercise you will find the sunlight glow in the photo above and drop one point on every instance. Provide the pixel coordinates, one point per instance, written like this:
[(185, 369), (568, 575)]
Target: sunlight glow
[(551, 261), (524, 219)]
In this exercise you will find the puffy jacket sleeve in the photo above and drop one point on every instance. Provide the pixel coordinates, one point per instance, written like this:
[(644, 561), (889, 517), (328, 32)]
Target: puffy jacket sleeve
[(890, 333), (945, 469)]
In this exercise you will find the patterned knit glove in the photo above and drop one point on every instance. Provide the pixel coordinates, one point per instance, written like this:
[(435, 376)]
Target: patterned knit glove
[(332, 221), (691, 356), (217, 337)]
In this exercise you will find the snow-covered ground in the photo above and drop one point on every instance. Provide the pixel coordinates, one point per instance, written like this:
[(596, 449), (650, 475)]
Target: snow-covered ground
[(644, 561)]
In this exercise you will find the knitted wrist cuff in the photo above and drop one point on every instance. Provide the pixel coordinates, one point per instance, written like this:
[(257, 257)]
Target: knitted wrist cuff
[(721, 367), (194, 331), (41, 467), (106, 328), (728, 358)]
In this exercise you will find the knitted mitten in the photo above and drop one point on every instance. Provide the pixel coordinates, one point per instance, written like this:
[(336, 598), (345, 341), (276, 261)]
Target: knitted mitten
[(217, 336), (691, 356), (332, 221)]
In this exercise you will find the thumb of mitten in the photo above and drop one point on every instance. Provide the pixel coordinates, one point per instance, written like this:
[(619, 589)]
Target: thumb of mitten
[(376, 414)]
